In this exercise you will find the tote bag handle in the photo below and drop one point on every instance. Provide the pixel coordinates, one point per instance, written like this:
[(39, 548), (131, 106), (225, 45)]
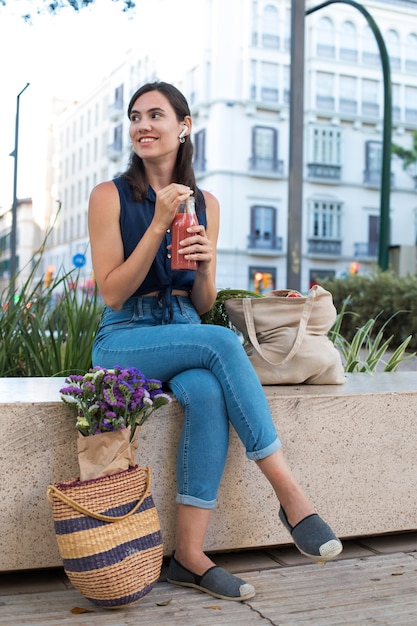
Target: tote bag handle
[(305, 316)]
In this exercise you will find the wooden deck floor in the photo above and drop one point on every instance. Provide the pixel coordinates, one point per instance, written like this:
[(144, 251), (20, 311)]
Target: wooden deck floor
[(374, 582)]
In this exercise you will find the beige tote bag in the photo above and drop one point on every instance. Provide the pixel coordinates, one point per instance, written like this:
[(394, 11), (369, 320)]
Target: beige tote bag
[(286, 337)]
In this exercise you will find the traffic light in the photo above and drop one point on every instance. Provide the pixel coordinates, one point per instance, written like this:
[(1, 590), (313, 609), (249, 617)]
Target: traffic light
[(354, 267), (49, 274)]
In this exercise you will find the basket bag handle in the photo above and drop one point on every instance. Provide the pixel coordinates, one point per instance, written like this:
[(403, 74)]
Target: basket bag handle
[(305, 316), (54, 492)]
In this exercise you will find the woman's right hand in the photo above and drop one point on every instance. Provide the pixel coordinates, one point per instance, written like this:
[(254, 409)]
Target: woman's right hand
[(168, 200)]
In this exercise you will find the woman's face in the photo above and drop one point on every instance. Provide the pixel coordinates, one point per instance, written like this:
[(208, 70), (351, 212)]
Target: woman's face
[(154, 127)]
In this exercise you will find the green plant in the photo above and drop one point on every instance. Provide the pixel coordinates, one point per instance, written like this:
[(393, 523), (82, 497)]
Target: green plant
[(377, 295), (47, 331), (366, 350), (218, 314)]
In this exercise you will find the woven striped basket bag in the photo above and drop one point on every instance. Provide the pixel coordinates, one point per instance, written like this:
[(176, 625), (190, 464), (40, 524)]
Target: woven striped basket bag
[(108, 535)]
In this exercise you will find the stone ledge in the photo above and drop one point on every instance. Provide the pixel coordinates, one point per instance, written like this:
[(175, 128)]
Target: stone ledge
[(352, 447)]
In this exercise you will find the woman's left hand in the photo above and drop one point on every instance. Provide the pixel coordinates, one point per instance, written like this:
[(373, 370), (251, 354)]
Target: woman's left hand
[(197, 246)]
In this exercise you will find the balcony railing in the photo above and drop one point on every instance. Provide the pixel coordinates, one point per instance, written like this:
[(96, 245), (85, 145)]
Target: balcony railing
[(373, 178), (348, 106), (264, 242), (271, 166), (367, 249), (325, 246), (370, 109), (116, 111), (325, 103), (324, 171), (115, 151)]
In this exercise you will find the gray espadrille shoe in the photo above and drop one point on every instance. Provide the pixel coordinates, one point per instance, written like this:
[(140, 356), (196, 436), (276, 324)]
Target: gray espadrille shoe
[(313, 537), (215, 581)]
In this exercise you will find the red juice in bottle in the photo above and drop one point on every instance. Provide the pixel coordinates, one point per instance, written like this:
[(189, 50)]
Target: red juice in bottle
[(184, 218)]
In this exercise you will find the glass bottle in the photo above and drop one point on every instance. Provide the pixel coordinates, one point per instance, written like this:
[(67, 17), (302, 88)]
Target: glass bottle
[(185, 217)]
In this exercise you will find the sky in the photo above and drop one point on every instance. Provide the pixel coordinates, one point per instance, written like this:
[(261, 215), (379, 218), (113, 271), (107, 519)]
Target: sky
[(66, 56)]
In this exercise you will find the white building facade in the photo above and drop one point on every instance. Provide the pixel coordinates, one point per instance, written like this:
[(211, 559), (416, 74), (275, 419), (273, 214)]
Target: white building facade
[(238, 89)]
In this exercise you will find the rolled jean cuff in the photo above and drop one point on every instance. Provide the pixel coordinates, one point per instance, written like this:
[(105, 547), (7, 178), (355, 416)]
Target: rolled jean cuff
[(258, 455), (197, 502)]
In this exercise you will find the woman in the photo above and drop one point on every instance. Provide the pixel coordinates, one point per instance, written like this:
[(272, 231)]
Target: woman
[(152, 322)]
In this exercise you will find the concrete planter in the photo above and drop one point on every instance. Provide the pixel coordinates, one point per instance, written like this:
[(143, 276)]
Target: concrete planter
[(351, 446)]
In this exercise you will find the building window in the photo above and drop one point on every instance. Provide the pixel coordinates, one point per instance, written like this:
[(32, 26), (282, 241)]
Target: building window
[(373, 162), (373, 235), (325, 91), (325, 148), (265, 150), (370, 106), (287, 85), (193, 86), (411, 105), (270, 27), (269, 82), (370, 51), (325, 39), (370, 247), (118, 97), (115, 149), (262, 279), (200, 151), (254, 23), (411, 54), (393, 44), (318, 276), (325, 219), (263, 221), (348, 99), (118, 137), (348, 43), (287, 30), (396, 108), (264, 81)]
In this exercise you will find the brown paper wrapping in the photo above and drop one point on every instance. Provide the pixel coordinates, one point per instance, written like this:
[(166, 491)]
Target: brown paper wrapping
[(106, 453)]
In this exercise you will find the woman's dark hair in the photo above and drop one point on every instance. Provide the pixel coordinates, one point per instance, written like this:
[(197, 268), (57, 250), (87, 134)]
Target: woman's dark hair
[(184, 173)]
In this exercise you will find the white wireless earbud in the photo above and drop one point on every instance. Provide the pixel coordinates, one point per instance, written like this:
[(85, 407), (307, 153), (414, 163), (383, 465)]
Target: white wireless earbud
[(182, 134)]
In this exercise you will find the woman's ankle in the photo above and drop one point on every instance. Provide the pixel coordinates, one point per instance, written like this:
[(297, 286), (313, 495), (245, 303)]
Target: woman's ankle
[(197, 562)]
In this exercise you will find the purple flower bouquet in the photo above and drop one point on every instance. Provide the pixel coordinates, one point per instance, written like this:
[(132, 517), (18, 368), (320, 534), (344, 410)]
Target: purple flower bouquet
[(109, 405)]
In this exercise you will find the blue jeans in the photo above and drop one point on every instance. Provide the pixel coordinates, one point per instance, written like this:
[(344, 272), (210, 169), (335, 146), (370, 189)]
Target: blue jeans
[(206, 368)]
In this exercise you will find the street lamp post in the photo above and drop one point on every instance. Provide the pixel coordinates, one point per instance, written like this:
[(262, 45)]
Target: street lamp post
[(14, 154)]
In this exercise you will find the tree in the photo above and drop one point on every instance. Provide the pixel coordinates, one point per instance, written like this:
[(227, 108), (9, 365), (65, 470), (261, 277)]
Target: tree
[(408, 157), (54, 6)]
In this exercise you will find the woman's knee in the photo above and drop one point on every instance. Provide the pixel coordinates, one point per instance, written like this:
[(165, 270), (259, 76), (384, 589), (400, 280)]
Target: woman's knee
[(197, 387)]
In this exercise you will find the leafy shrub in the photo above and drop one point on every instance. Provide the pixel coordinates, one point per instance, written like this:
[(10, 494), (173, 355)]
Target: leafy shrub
[(47, 331), (381, 296)]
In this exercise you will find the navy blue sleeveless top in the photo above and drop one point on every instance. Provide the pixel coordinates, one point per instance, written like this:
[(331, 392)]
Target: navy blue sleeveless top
[(135, 218)]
